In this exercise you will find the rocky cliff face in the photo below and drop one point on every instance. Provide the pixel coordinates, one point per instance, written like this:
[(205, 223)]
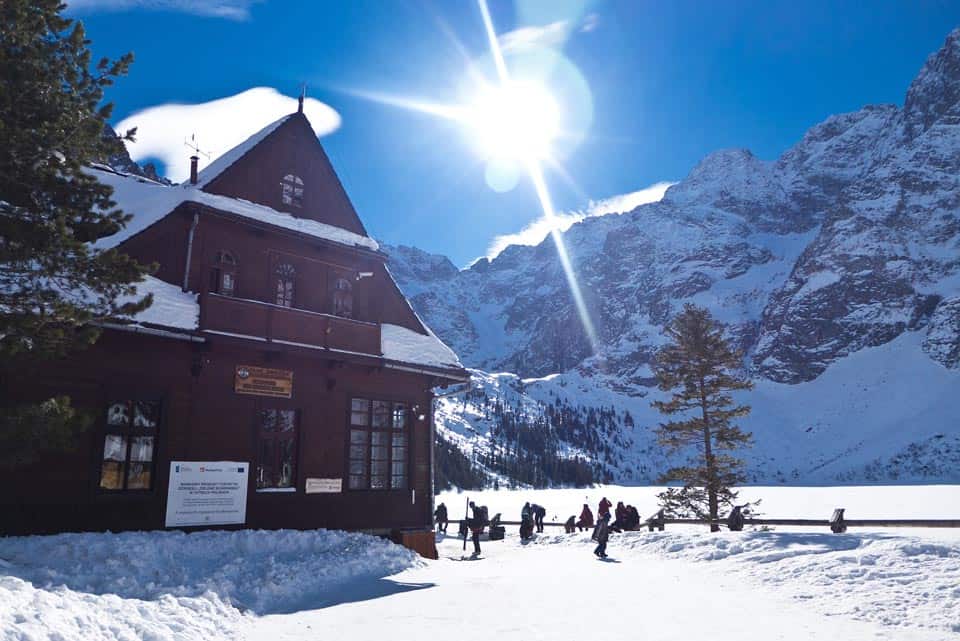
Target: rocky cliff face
[(849, 241)]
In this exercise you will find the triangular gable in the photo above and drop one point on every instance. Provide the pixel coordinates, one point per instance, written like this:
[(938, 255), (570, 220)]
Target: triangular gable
[(285, 152), (222, 162)]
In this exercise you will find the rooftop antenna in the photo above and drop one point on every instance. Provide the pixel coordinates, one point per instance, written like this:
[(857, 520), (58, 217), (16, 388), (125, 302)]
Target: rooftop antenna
[(303, 94), (195, 158), (195, 146)]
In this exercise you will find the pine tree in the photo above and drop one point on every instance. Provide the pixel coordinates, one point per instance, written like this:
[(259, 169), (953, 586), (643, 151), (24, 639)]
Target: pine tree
[(54, 287), (697, 367)]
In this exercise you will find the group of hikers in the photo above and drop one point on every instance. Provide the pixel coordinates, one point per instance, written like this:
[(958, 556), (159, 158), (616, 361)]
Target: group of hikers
[(531, 517), (625, 517)]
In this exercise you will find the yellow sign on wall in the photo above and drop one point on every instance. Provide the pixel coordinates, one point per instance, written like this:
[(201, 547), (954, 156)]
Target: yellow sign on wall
[(263, 381)]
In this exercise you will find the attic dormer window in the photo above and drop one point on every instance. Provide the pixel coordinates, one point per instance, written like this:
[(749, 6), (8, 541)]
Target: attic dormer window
[(292, 190), (223, 274)]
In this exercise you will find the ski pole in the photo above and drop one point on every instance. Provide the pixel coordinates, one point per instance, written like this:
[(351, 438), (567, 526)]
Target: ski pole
[(466, 510)]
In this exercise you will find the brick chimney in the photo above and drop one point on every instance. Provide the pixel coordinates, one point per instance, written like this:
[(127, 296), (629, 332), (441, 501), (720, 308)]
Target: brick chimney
[(194, 159)]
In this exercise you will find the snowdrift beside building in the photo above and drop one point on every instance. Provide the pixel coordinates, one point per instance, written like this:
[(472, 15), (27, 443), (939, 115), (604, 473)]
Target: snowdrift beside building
[(169, 585)]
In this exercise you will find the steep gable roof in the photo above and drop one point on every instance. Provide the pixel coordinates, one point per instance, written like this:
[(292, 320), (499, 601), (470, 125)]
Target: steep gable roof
[(148, 202), (254, 169)]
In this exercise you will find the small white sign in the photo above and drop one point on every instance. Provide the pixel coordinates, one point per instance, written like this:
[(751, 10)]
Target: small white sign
[(207, 493), (324, 486)]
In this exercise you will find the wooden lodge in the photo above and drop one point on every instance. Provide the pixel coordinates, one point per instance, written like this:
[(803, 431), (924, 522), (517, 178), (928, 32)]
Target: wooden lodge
[(279, 380)]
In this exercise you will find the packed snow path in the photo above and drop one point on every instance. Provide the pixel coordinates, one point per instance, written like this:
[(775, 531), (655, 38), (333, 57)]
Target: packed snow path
[(554, 588)]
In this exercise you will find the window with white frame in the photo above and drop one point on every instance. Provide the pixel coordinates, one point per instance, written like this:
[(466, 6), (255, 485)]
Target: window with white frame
[(223, 274), (292, 190), (379, 444), (343, 298), (285, 276), (129, 443), (277, 449)]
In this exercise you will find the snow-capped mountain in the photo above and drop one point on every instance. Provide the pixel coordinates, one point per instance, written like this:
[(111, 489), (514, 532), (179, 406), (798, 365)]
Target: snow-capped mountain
[(836, 268)]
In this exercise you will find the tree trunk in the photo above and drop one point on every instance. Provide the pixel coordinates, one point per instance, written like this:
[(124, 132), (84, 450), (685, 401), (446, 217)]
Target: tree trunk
[(711, 467)]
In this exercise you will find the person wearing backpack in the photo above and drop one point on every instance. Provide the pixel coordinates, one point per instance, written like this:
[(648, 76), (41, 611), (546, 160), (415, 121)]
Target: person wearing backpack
[(477, 523)]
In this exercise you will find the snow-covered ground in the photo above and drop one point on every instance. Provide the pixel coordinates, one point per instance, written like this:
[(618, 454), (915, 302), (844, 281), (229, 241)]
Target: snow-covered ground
[(789, 583), (170, 586)]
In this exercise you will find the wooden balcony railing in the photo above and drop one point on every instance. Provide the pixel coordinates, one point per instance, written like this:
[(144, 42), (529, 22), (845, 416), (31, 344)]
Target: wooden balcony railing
[(272, 322)]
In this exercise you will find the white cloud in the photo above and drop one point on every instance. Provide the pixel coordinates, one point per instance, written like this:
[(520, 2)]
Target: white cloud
[(553, 35), (535, 232), (590, 23), (219, 125), (229, 9)]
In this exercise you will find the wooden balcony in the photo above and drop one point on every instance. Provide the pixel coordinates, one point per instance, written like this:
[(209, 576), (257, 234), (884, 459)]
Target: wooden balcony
[(251, 318)]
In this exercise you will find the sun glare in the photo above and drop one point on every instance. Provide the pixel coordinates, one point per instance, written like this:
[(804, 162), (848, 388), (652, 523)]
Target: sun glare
[(516, 124), (515, 120)]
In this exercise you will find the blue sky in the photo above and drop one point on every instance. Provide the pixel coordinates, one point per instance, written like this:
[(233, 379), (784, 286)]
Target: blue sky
[(669, 82)]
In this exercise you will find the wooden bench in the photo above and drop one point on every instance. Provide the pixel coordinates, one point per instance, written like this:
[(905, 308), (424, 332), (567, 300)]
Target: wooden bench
[(656, 521)]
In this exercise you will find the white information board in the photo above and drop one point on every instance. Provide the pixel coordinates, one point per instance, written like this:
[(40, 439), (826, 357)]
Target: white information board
[(207, 493), (323, 486)]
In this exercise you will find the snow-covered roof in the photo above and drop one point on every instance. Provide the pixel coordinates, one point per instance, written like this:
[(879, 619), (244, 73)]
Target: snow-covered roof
[(407, 346), (172, 307), (223, 162), (150, 201)]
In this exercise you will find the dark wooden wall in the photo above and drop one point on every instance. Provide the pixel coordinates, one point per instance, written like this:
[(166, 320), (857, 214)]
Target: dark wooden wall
[(203, 419), (258, 252)]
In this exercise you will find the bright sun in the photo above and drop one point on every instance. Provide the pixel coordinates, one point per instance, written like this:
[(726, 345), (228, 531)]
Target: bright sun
[(515, 121)]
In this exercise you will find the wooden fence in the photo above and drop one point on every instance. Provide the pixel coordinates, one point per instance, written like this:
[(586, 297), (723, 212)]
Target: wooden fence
[(837, 522)]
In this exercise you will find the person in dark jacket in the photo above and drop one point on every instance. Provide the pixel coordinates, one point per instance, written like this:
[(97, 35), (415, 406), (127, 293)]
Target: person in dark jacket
[(476, 526), (586, 519), (539, 513), (604, 508), (526, 522), (571, 525), (620, 521), (601, 535), (440, 517), (633, 518)]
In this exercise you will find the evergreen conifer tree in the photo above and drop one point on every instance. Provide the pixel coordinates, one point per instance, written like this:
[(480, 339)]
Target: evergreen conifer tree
[(54, 287), (697, 367)]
